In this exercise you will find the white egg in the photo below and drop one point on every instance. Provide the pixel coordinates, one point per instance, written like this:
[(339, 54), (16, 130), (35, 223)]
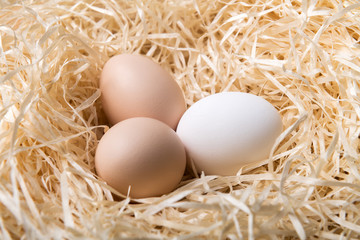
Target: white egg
[(228, 130)]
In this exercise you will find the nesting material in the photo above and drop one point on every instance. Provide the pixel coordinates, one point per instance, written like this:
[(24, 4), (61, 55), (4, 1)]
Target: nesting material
[(302, 56)]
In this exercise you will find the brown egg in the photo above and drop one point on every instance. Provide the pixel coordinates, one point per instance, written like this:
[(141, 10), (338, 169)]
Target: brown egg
[(135, 86), (143, 153)]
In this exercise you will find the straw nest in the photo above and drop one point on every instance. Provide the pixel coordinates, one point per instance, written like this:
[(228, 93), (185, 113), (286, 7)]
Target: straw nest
[(302, 56)]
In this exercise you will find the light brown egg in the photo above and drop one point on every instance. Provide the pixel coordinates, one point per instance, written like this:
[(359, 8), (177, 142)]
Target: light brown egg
[(135, 86), (143, 153)]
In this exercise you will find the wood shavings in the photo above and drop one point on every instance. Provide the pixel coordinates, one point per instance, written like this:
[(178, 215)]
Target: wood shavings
[(302, 56)]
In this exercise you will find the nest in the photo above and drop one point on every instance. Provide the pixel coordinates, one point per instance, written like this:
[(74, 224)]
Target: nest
[(301, 56)]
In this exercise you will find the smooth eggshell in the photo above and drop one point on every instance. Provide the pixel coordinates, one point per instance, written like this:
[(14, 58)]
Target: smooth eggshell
[(135, 86), (143, 153), (228, 130)]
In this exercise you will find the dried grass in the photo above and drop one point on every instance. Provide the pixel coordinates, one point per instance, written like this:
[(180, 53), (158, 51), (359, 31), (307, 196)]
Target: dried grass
[(302, 56)]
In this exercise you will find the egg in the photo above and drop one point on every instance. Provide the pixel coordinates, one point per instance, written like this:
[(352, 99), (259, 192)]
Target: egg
[(136, 86), (228, 130), (143, 153)]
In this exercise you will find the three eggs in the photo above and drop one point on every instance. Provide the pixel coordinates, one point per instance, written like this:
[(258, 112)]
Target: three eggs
[(144, 153)]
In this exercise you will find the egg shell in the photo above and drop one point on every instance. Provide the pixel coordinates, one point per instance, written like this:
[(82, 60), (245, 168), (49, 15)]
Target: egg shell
[(136, 86), (228, 130), (143, 153)]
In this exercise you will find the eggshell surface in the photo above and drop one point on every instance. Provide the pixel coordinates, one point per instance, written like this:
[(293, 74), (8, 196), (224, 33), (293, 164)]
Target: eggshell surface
[(143, 153), (136, 86), (228, 130)]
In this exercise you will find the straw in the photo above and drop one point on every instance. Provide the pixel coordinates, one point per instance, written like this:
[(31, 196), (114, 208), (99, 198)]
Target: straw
[(301, 56)]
